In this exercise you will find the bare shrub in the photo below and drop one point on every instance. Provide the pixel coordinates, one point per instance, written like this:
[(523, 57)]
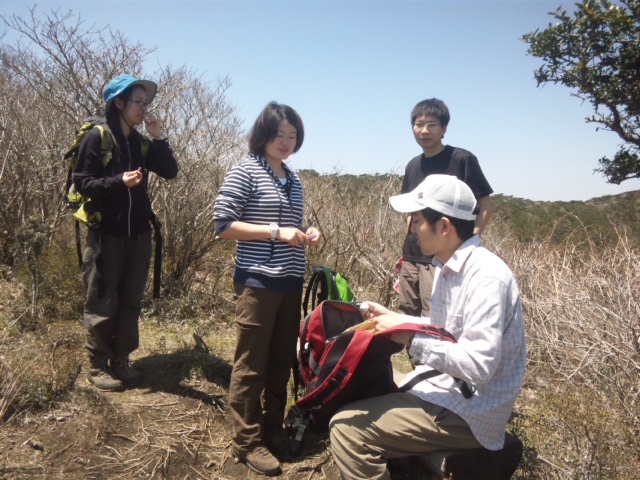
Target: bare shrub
[(579, 404), (362, 234), (205, 136), (29, 168), (51, 79), (41, 369), (9, 388)]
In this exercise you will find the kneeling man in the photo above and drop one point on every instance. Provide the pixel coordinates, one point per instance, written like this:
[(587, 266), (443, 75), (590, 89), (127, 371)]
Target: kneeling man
[(468, 401)]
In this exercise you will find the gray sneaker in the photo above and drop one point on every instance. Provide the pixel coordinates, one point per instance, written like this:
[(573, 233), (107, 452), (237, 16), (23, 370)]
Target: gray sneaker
[(123, 370), (260, 460), (101, 377)]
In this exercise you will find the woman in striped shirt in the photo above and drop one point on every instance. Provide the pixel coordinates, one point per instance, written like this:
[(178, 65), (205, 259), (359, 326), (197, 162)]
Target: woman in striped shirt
[(260, 206)]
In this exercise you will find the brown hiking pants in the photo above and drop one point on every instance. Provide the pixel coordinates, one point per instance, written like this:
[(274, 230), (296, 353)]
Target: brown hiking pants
[(267, 324)]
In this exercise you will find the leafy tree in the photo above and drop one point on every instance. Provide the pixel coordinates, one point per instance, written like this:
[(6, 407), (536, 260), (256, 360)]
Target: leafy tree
[(595, 51)]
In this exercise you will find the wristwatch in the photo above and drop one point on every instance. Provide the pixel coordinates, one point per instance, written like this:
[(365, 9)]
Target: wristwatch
[(274, 228), (163, 136)]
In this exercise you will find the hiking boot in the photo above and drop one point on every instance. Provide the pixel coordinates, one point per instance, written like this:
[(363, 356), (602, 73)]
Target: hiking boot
[(260, 460), (101, 377), (123, 370)]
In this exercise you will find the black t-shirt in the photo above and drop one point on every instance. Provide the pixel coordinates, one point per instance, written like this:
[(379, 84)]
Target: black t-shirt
[(451, 161)]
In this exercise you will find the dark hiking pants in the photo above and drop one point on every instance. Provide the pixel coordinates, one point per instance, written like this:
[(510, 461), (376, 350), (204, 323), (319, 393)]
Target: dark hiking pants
[(115, 271)]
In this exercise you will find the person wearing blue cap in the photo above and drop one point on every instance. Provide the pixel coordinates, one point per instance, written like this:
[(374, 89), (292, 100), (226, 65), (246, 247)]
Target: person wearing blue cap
[(117, 258)]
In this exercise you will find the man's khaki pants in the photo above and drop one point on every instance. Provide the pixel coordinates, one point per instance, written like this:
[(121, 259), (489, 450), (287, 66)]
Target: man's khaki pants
[(416, 283), (366, 433)]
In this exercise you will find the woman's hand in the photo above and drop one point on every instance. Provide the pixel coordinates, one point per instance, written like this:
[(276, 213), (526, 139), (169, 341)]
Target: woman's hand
[(312, 236), (152, 125), (291, 235), (131, 179)]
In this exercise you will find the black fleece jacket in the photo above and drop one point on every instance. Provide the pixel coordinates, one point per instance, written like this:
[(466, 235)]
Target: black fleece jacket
[(125, 211)]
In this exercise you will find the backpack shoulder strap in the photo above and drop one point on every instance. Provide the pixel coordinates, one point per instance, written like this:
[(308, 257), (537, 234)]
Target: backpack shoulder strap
[(144, 143), (329, 286), (106, 146), (318, 278)]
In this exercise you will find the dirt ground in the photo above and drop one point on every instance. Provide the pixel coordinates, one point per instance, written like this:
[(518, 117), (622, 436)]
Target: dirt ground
[(175, 425)]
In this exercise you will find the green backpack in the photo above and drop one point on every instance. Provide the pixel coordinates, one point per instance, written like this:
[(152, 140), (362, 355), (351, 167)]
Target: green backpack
[(83, 210), (326, 284)]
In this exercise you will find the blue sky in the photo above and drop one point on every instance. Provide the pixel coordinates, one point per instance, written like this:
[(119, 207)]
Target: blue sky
[(354, 69)]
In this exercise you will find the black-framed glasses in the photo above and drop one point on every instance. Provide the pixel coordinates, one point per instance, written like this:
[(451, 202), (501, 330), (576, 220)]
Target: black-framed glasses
[(139, 103), (429, 126)]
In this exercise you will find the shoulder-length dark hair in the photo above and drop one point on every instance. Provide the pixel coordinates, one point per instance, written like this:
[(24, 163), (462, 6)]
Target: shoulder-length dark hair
[(265, 127)]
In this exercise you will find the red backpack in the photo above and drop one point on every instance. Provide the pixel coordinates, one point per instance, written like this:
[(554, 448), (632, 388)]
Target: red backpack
[(341, 366)]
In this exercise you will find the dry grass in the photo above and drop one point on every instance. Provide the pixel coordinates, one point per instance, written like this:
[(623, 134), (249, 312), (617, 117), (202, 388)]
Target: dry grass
[(578, 412), (579, 406)]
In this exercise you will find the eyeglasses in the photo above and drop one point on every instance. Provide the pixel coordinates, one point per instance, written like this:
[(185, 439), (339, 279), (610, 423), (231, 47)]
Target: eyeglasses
[(429, 126), (139, 103)]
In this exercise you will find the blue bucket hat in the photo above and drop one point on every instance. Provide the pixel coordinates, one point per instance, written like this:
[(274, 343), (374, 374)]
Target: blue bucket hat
[(119, 84)]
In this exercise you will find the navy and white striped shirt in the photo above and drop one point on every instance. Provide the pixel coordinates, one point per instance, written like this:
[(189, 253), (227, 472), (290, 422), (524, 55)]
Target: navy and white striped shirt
[(252, 193)]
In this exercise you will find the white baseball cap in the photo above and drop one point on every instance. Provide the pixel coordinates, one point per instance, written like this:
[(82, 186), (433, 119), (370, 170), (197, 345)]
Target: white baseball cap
[(445, 194)]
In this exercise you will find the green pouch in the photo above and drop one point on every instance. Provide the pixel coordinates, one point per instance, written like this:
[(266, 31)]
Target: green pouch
[(88, 215)]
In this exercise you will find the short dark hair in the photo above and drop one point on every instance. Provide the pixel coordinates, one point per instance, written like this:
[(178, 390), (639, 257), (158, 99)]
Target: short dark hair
[(265, 127), (431, 106), (463, 227)]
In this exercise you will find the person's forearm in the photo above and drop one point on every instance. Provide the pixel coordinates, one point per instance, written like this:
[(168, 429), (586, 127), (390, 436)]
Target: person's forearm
[(485, 213), (246, 231)]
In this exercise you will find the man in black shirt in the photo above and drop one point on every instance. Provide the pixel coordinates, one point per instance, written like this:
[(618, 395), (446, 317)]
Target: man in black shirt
[(429, 119)]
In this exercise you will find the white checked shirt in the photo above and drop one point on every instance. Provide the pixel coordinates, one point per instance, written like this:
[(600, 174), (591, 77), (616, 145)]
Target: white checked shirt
[(476, 299)]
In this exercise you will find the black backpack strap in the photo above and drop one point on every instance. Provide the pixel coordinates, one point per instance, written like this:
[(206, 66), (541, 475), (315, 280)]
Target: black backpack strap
[(418, 378), (467, 392), (78, 243), (307, 293), (317, 279), (296, 378), (305, 350), (324, 289), (296, 423), (329, 287), (157, 259), (312, 288)]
